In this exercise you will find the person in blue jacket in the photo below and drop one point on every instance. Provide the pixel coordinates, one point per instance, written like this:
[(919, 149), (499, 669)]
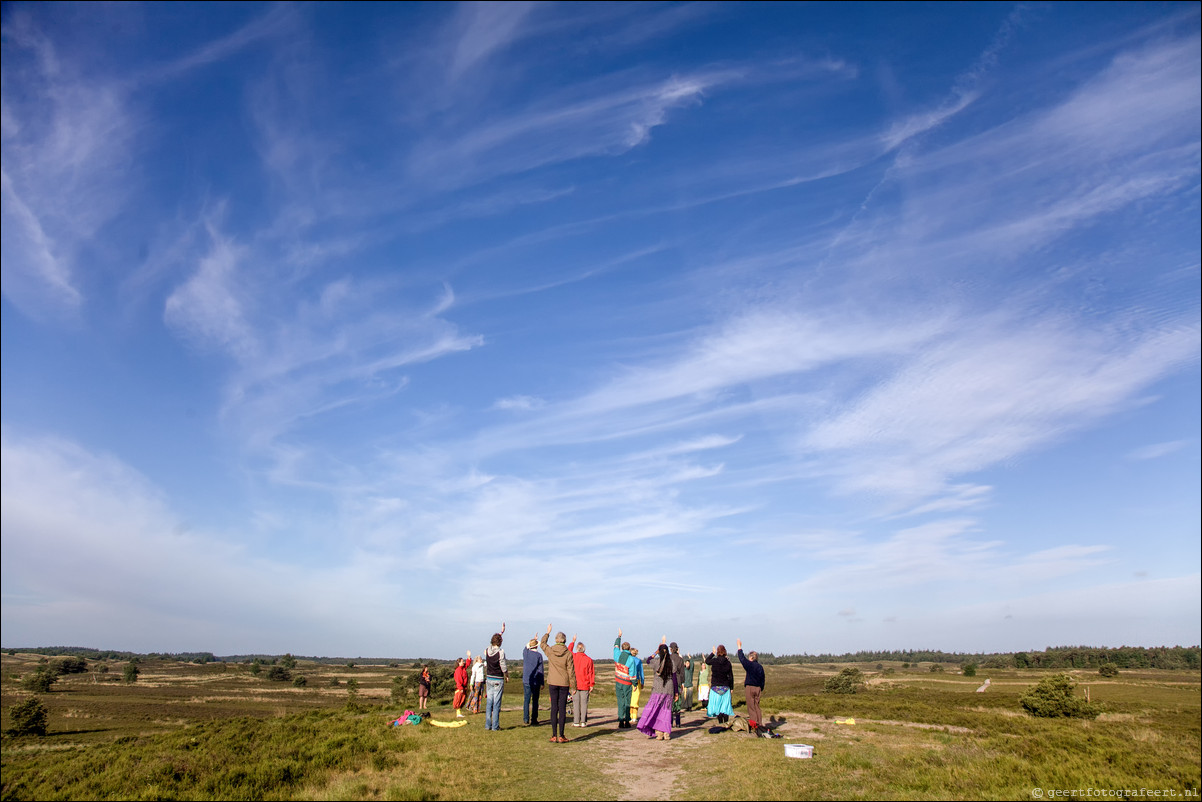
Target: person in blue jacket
[(532, 681), (753, 685)]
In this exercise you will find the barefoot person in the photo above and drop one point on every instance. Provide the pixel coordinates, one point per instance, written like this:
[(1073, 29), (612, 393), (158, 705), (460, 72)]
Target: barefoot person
[(721, 681), (656, 721), (561, 680), (753, 685), (461, 684)]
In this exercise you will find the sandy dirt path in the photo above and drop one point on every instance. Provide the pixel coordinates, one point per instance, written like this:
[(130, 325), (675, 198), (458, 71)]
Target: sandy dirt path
[(640, 767)]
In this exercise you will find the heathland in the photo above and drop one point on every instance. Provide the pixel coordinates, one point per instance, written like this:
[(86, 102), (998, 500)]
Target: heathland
[(306, 729)]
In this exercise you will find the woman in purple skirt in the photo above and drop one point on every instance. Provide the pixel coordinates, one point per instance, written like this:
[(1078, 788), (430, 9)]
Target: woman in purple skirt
[(655, 721)]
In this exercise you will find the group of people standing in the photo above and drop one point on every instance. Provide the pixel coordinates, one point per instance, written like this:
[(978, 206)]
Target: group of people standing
[(567, 670), (672, 686), (563, 667)]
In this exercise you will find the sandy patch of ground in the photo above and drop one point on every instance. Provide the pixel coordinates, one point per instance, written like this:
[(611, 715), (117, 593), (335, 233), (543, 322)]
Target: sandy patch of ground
[(643, 768), (812, 717)]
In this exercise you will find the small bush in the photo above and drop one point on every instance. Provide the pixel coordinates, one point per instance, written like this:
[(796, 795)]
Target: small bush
[(130, 672), (300, 680), (849, 680), (1108, 670), (936, 668), (1053, 698), (69, 665), (334, 683), (28, 717), (39, 681), (969, 669), (279, 674)]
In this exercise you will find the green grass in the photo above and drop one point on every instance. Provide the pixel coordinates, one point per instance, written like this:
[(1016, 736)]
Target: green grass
[(210, 732)]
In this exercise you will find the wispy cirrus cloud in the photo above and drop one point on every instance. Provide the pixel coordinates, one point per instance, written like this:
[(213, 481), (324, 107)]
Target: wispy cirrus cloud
[(977, 399), (298, 356), (483, 29), (1158, 450), (583, 123), (67, 138)]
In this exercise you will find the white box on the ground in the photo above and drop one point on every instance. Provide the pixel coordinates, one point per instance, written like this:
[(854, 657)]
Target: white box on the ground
[(799, 750)]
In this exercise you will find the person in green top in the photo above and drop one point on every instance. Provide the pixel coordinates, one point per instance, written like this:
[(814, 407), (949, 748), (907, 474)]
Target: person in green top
[(686, 683), (622, 679)]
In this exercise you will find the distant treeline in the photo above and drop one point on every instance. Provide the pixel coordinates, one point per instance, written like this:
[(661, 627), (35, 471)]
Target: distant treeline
[(114, 655), (204, 657), (1051, 657), (1058, 657)]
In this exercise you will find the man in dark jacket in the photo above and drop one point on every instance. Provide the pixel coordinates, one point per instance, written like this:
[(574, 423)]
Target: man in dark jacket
[(753, 685), (532, 681)]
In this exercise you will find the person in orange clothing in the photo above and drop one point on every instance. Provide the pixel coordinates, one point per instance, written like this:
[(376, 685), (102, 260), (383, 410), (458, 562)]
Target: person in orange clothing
[(461, 684)]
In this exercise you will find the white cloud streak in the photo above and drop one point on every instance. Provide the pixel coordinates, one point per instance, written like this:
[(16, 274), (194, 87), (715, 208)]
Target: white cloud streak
[(571, 128), (66, 150)]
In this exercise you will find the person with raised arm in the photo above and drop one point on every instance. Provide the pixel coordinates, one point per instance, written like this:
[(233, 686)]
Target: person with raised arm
[(753, 685), (586, 676), (622, 660), (722, 679), (477, 696), (532, 682), (496, 674), (561, 680), (656, 721)]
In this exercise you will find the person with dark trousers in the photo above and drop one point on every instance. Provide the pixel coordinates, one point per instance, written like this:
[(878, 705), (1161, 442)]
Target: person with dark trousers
[(622, 679), (532, 682), (561, 681)]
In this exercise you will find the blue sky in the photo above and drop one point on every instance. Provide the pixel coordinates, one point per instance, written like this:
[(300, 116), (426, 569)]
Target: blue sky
[(357, 329)]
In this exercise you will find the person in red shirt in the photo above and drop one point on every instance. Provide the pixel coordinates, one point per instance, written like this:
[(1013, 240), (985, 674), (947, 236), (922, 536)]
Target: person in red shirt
[(585, 678), (461, 684)]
